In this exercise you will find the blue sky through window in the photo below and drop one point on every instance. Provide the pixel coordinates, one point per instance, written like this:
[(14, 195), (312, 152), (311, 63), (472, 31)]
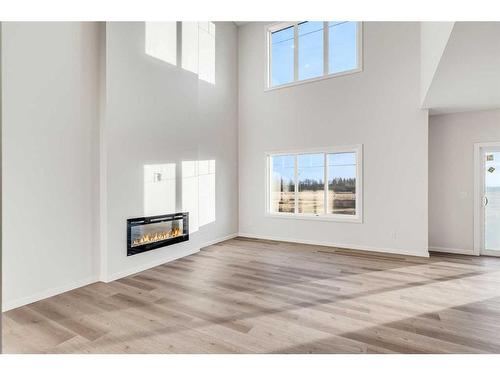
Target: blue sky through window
[(284, 167), (282, 51), (311, 167), (342, 50), (310, 49), (342, 165), (342, 38)]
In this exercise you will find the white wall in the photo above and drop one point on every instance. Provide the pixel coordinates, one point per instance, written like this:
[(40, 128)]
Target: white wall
[(434, 37), (378, 108), (84, 111), (50, 158), (158, 113), (468, 74), (451, 176)]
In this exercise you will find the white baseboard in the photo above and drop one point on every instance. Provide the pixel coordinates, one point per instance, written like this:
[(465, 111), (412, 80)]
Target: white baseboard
[(491, 253), (339, 245), (451, 251), (221, 239), (156, 263), (146, 266), (9, 305)]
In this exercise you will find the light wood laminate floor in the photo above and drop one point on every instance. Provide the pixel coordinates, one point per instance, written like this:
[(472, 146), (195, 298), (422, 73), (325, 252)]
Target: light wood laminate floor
[(253, 296)]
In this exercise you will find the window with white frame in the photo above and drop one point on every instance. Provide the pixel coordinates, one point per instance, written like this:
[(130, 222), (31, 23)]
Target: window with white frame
[(301, 51), (324, 184)]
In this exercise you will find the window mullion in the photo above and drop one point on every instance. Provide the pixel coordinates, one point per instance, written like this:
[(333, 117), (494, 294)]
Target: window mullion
[(296, 52), (325, 163), (269, 184), (296, 200), (326, 46), (270, 59)]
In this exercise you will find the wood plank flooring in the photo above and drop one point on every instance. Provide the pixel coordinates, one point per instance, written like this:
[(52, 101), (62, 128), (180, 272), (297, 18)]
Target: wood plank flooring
[(253, 296)]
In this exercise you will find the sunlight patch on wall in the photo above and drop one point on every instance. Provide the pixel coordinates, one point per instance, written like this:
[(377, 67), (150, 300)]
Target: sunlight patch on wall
[(159, 189), (198, 49), (207, 52), (190, 46), (198, 192), (161, 41)]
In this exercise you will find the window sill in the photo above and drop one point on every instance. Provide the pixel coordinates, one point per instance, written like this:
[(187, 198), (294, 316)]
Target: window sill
[(335, 218), (321, 78)]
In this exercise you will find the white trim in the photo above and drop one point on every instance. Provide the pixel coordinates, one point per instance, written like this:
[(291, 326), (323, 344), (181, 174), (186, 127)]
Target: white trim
[(9, 305), (478, 194), (219, 240), (338, 245), (358, 218), (477, 204), (326, 48), (315, 79), (318, 217), (170, 258), (491, 253), (452, 251), (269, 59), (295, 52), (314, 150), (282, 25), (146, 266), (325, 181)]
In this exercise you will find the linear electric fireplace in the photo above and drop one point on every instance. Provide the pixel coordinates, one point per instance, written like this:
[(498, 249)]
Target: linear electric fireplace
[(152, 232)]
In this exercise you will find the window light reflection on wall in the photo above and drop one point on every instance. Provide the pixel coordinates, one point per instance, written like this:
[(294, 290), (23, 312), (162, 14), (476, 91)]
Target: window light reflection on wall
[(197, 40), (198, 192), (159, 189), (161, 41)]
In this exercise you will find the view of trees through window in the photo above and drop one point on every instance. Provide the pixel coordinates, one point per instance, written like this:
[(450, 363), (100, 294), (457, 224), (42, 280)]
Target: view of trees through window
[(311, 177), (297, 183), (342, 183), (283, 184)]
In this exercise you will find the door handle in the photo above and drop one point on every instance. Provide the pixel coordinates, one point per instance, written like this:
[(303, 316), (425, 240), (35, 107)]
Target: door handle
[(485, 201)]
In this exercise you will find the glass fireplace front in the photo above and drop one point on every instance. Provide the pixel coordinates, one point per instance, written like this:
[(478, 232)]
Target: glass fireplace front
[(148, 233)]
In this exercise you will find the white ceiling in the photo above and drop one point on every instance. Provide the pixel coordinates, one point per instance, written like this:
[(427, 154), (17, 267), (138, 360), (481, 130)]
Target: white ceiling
[(468, 75)]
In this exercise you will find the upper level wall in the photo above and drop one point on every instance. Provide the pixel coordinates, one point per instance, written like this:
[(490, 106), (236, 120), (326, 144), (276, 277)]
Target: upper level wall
[(378, 108), (433, 39), (85, 109), (468, 74), (50, 158), (159, 113)]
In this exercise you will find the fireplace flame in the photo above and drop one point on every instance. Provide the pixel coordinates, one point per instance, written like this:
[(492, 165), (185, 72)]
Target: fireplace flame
[(157, 236)]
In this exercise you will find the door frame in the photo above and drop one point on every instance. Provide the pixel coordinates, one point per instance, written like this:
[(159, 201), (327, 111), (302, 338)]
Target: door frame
[(478, 194)]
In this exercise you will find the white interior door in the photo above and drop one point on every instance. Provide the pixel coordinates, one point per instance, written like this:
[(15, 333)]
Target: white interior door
[(490, 200)]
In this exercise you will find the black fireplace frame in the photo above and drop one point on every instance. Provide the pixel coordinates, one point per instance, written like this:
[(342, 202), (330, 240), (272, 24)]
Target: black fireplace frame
[(137, 221)]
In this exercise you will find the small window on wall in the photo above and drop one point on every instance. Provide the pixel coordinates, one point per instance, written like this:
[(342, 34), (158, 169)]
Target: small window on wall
[(311, 50), (317, 184)]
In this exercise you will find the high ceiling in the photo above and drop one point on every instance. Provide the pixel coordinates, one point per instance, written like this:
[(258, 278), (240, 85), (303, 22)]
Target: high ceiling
[(468, 74)]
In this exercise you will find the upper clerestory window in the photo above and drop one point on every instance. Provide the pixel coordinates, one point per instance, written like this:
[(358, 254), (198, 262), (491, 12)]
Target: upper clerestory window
[(310, 50)]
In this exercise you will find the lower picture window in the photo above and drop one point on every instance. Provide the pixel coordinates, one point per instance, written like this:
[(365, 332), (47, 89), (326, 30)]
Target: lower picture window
[(283, 184), (342, 183), (323, 184), (311, 183)]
